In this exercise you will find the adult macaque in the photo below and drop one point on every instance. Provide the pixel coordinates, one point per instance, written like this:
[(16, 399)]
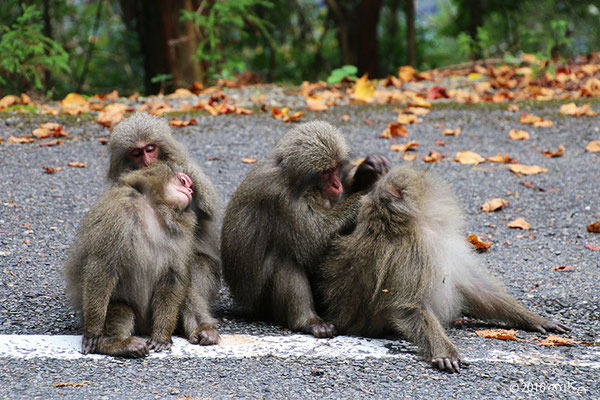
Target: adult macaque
[(281, 218), (407, 268), (128, 270), (138, 142)]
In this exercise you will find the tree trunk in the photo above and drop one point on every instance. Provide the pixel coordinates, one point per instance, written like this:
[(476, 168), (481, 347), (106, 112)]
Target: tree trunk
[(475, 21), (411, 33), (367, 16)]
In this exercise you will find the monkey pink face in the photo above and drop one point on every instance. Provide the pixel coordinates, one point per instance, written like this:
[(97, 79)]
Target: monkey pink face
[(179, 191), (144, 155), (331, 184)]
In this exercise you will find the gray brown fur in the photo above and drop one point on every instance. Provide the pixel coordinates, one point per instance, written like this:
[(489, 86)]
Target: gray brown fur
[(198, 324), (128, 270), (278, 224), (407, 268)]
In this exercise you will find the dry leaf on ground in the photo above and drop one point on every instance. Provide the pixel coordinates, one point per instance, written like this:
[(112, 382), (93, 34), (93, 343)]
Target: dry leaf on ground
[(502, 334), (593, 146), (564, 268), (49, 129), (72, 384), (179, 123), (500, 158), (527, 169), (494, 205), (406, 119), (592, 247), (409, 156), (434, 156), (51, 170), (394, 130), (249, 160), (363, 88), (76, 164), (572, 109), (316, 104), (519, 223), (560, 151), (468, 157), (553, 340), (479, 245), (451, 132), (513, 108), (13, 139), (518, 134), (594, 228), (404, 147)]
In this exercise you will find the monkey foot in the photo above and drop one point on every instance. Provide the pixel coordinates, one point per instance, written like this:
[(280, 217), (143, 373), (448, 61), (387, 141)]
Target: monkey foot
[(89, 344), (205, 336), (552, 326), (319, 328), (159, 345), (449, 364)]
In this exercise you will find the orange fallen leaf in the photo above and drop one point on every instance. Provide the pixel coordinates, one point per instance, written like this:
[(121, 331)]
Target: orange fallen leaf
[(179, 123), (49, 129), (439, 142), (76, 164), (14, 139), (500, 158), (479, 245), (409, 156), (564, 268), (553, 340), (518, 134), (8, 101), (591, 88), (53, 142), (594, 228), (527, 169), (468, 157), (345, 117), (406, 119), (293, 117), (51, 170), (451, 132), (406, 73), (404, 147), (417, 110), (545, 123), (316, 104), (592, 247), (502, 334), (434, 156), (529, 118), (593, 146), (572, 109), (513, 108), (394, 130), (363, 89), (560, 151), (519, 223), (494, 205), (103, 140), (249, 160), (74, 104)]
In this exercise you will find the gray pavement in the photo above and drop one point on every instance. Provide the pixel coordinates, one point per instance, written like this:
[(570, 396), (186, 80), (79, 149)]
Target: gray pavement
[(45, 210)]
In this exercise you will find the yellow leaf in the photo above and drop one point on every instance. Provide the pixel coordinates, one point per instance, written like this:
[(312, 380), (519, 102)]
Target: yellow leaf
[(545, 123), (473, 76), (593, 146), (406, 73), (76, 164), (468, 158), (419, 102), (403, 147), (527, 169), (560, 151), (363, 88), (406, 119), (518, 134), (479, 245), (451, 132), (519, 223), (499, 158), (494, 205)]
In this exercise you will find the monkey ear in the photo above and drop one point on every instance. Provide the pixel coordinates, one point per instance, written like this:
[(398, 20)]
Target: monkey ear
[(395, 191)]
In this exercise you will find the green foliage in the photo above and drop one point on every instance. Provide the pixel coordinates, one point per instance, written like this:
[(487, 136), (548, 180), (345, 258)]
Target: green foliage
[(221, 26), (338, 74), (27, 54)]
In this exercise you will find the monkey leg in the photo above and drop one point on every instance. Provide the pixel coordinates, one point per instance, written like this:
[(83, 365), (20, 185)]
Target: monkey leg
[(116, 340), (487, 299), (292, 301), (420, 326), (199, 326)]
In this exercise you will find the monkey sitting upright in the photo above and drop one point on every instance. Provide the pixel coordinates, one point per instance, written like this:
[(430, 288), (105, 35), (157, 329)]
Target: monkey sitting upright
[(408, 268), (128, 270)]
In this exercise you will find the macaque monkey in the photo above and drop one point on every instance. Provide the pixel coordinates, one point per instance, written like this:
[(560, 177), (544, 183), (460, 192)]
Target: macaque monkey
[(407, 268), (281, 218), (128, 270), (140, 141)]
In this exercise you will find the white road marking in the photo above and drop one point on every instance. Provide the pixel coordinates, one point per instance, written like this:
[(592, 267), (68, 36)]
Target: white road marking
[(245, 346)]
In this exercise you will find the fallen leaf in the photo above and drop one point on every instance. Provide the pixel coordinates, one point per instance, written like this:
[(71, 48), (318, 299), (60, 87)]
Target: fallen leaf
[(179, 123), (437, 92), (72, 384), (74, 104), (394, 130), (409, 156), (527, 169), (468, 158), (8, 101), (103, 140), (502, 334), (13, 139), (592, 247), (76, 164), (249, 160), (513, 108), (316, 104), (53, 142), (553, 340), (112, 114), (494, 205), (451, 132), (345, 117), (519, 223), (403, 147), (439, 142), (406, 73), (529, 118), (49, 129), (518, 134), (572, 109), (594, 228), (545, 123), (434, 156), (419, 102), (564, 268), (479, 245), (406, 119), (293, 117), (500, 158), (363, 89), (368, 121), (560, 151), (593, 146), (591, 88), (51, 170)]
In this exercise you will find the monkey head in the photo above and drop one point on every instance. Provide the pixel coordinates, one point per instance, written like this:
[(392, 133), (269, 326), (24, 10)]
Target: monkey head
[(314, 154), (399, 193)]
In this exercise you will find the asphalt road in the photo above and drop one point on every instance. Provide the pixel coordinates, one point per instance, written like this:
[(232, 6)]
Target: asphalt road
[(40, 212)]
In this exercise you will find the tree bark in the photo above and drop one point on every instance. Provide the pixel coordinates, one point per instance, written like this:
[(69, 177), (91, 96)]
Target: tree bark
[(411, 33)]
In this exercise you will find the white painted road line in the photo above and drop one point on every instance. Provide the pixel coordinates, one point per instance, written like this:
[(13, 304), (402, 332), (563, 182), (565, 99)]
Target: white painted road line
[(245, 346)]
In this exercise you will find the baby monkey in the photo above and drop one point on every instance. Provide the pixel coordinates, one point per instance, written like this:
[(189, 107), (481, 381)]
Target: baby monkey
[(408, 268), (128, 272)]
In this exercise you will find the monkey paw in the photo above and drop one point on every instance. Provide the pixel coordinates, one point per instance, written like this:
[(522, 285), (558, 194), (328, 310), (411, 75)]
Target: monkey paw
[(552, 326), (376, 162), (205, 336), (159, 345), (133, 347), (89, 344), (319, 328), (450, 364)]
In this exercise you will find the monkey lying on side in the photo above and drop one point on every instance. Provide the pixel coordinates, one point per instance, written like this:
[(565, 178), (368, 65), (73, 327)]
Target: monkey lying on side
[(128, 270), (407, 268)]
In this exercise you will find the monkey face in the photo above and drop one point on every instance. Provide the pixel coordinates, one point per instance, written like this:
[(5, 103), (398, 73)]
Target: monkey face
[(179, 191), (331, 184), (143, 154)]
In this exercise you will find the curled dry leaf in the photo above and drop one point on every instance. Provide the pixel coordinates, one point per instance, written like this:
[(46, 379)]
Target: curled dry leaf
[(553, 340), (406, 119), (53, 142), (404, 147), (545, 123), (363, 88), (419, 102), (513, 108), (8, 100), (76, 164), (72, 384), (593, 146), (409, 156), (529, 118), (518, 134), (592, 247), (112, 114), (74, 104), (179, 123), (563, 268), (500, 158), (502, 334), (594, 228), (315, 104), (417, 110), (394, 130), (451, 132), (479, 245), (527, 169), (434, 156), (494, 205), (249, 160), (284, 114), (49, 129), (51, 170), (519, 223), (560, 151), (406, 73), (14, 139), (468, 157), (572, 109)]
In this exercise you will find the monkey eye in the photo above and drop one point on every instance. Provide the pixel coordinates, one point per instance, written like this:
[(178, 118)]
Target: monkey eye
[(135, 153), (150, 148)]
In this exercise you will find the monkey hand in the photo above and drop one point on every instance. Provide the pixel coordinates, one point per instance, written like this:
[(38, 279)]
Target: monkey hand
[(369, 171), (205, 336), (159, 344), (89, 343), (447, 362), (550, 325), (319, 328)]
